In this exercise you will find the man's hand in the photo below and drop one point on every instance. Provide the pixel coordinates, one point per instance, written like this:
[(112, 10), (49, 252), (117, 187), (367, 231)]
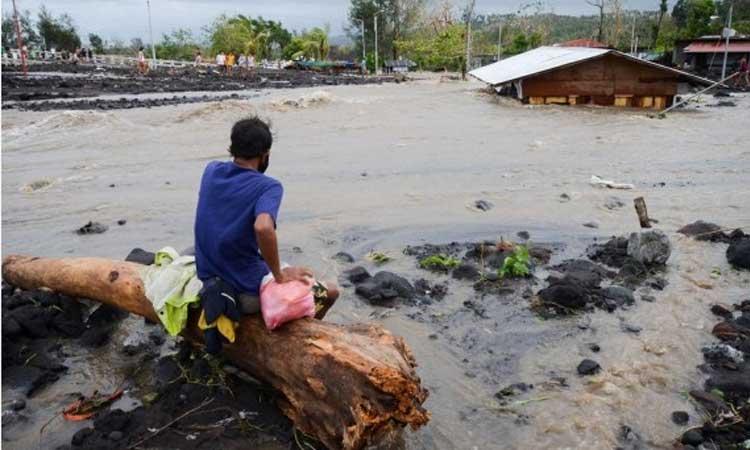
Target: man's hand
[(302, 274)]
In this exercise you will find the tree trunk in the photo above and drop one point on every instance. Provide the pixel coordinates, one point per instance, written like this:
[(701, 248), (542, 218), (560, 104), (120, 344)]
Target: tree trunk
[(348, 386)]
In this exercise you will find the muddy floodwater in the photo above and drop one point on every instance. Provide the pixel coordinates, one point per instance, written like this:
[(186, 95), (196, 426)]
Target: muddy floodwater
[(380, 167)]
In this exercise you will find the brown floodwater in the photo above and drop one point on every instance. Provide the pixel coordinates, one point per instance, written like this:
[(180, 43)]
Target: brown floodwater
[(384, 166)]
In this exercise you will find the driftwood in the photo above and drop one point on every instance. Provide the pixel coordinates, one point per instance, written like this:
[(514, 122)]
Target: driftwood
[(348, 386), (642, 211)]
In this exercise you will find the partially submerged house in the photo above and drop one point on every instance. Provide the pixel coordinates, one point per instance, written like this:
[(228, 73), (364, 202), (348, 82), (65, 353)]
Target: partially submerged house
[(585, 75)]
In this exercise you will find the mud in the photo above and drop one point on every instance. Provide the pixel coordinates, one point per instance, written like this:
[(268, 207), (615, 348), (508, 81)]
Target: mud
[(41, 329), (420, 184), (33, 93)]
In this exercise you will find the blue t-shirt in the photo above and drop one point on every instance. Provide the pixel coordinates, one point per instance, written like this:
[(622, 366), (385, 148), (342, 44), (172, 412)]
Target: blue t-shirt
[(230, 199)]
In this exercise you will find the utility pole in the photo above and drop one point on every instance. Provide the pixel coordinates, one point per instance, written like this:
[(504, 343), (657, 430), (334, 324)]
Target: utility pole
[(19, 40), (632, 39), (499, 40), (469, 13), (375, 18), (726, 45), (151, 36), (364, 56)]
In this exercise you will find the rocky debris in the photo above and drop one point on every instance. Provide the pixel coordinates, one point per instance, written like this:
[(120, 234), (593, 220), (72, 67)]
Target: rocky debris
[(466, 271), (630, 440), (692, 437), (726, 398), (591, 224), (478, 309), (564, 198), (680, 417), (630, 328), (483, 205), (614, 203), (385, 286), (594, 348), (588, 367), (704, 231), (33, 322), (579, 287), (454, 249), (612, 253), (122, 222), (181, 383), (567, 293), (92, 228), (424, 288), (357, 274), (22, 90), (343, 257), (141, 256), (650, 247), (617, 296), (721, 311), (512, 390), (738, 252)]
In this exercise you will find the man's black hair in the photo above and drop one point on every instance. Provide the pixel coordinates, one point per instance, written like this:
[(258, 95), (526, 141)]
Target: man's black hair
[(251, 138)]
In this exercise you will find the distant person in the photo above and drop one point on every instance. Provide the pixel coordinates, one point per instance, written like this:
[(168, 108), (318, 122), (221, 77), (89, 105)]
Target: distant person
[(744, 76), (74, 56), (236, 245), (230, 62), (242, 62), (89, 54), (221, 60), (142, 66), (198, 59), (251, 63)]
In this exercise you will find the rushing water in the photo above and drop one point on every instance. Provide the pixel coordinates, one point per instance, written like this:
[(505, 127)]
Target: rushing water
[(380, 167)]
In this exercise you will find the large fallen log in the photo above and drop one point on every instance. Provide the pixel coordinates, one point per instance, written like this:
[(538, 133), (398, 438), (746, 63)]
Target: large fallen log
[(348, 386)]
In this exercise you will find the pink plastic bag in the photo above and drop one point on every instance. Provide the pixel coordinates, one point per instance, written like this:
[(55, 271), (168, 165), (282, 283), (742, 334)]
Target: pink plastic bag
[(281, 303)]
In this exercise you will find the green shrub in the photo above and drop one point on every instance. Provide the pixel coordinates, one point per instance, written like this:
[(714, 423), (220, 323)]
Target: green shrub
[(517, 264), (439, 262)]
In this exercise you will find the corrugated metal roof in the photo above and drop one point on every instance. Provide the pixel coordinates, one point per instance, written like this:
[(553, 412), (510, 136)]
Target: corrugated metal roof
[(544, 59), (718, 47), (534, 61)]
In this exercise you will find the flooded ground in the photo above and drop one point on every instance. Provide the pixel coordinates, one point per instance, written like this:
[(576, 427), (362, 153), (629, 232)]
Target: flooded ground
[(380, 167)]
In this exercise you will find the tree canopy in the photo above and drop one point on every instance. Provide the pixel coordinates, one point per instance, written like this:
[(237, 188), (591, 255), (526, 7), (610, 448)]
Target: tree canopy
[(57, 32)]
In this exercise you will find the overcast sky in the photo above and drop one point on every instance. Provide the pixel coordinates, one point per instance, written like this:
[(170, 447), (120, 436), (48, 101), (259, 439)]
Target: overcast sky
[(125, 19)]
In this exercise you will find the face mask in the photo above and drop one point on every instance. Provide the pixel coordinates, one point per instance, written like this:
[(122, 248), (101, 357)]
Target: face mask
[(263, 166)]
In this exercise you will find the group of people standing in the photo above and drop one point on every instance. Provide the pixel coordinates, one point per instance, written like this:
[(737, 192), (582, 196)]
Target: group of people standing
[(225, 63)]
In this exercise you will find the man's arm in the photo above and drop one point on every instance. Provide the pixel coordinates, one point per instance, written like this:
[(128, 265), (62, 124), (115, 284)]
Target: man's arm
[(265, 234)]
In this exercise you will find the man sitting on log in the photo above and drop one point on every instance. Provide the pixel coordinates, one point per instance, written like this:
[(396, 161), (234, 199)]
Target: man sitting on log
[(235, 225)]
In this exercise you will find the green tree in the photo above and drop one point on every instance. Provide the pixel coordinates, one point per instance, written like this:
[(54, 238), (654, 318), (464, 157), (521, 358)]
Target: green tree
[(663, 8), (397, 19), (179, 45), (57, 32), (441, 48), (693, 17), (29, 35), (242, 34), (309, 44), (96, 42)]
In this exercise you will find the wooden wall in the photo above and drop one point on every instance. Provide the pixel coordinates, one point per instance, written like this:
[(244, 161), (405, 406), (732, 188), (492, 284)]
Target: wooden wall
[(602, 80)]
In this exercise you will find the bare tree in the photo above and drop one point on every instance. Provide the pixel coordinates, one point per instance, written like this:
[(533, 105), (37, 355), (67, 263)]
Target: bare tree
[(599, 4)]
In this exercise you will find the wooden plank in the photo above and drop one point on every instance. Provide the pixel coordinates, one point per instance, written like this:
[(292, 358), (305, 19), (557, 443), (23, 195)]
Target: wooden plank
[(536, 100), (556, 100)]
